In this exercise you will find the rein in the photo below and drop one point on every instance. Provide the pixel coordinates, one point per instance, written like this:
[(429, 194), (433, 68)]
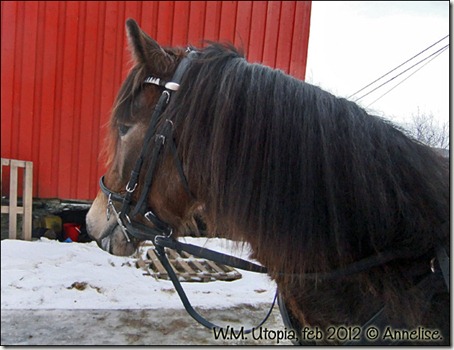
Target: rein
[(161, 231)]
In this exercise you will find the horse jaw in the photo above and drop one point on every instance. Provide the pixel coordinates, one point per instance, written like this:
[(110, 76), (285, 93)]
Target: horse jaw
[(107, 234)]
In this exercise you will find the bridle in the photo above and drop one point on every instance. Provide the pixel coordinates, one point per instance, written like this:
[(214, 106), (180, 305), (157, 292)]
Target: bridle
[(161, 232)]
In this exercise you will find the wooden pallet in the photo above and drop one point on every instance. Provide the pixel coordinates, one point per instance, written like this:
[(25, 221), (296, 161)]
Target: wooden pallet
[(189, 268), (13, 208)]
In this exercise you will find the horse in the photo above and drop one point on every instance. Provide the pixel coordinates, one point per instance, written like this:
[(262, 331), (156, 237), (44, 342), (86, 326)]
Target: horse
[(346, 210)]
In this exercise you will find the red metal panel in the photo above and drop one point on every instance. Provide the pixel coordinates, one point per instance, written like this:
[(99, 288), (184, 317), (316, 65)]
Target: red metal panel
[(228, 20), (181, 20), (243, 24), (301, 30), (165, 19), (68, 76), (284, 46), (196, 22), (43, 164), (212, 19), (63, 63), (271, 33), (8, 24), (257, 31)]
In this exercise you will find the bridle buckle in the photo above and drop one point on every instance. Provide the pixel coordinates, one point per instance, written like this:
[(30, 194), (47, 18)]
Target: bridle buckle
[(129, 189)]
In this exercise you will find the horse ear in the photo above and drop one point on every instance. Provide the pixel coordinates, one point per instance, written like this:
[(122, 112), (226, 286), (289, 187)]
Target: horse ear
[(144, 49)]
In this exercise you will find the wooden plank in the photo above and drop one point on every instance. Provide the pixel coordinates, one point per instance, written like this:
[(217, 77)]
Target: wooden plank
[(229, 268), (13, 209), (186, 267), (199, 266), (5, 210), (12, 234), (27, 199), (215, 266), (172, 254), (161, 270), (17, 163)]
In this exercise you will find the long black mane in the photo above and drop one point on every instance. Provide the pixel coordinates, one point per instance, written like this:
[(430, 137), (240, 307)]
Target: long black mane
[(294, 167)]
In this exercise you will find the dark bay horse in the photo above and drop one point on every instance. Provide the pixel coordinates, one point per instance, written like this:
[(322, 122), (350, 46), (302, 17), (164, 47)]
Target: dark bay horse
[(313, 183)]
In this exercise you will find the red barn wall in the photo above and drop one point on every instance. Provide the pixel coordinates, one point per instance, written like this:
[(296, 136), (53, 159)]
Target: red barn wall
[(63, 62)]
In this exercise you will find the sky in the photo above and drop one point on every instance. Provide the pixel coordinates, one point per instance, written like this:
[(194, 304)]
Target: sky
[(352, 43)]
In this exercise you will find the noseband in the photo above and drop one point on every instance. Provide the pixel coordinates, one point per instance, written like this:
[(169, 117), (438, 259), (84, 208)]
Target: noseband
[(161, 231)]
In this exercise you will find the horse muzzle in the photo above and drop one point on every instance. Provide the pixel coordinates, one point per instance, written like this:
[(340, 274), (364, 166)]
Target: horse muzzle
[(107, 233), (116, 244)]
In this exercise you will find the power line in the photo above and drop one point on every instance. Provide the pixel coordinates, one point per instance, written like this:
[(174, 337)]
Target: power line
[(406, 70), (392, 70), (425, 64)]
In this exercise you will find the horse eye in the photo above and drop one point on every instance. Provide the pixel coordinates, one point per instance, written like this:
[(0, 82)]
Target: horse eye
[(123, 129)]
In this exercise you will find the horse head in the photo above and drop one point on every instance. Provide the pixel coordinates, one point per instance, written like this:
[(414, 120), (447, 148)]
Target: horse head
[(129, 123)]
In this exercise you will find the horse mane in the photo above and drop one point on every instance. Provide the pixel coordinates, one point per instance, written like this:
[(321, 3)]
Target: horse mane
[(311, 181)]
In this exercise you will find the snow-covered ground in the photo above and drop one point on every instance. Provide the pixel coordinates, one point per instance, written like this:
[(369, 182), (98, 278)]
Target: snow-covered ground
[(44, 274), (57, 293)]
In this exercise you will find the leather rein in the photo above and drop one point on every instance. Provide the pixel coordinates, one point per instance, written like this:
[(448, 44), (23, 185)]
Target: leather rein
[(161, 232)]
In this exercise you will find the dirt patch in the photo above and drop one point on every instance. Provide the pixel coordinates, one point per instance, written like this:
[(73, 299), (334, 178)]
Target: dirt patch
[(135, 327)]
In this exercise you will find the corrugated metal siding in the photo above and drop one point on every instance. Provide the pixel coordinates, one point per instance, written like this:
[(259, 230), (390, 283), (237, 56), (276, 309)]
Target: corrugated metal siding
[(63, 63)]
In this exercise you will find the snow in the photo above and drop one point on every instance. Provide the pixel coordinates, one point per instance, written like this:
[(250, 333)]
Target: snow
[(45, 274)]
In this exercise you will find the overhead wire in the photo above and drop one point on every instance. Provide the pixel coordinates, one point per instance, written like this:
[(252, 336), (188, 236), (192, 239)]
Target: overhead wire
[(394, 69), (403, 72), (425, 64)]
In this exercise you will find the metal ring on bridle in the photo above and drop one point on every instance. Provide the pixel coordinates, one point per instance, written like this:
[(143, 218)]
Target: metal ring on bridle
[(169, 121), (129, 189), (168, 95)]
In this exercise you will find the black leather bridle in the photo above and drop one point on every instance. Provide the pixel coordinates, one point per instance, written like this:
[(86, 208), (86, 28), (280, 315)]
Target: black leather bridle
[(161, 232)]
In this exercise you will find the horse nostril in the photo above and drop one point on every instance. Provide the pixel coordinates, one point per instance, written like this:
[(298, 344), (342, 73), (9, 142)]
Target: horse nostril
[(105, 244)]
